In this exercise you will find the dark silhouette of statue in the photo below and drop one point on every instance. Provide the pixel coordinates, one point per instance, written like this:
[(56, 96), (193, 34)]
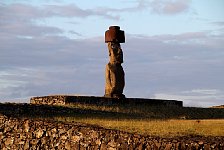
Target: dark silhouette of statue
[(114, 73)]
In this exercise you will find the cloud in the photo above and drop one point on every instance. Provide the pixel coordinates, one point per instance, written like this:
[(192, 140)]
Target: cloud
[(21, 12), (203, 91), (27, 21), (19, 20), (75, 33), (164, 7), (51, 65), (162, 69), (46, 50), (167, 7), (26, 12), (25, 29), (170, 7), (68, 11), (72, 10), (195, 99), (220, 23)]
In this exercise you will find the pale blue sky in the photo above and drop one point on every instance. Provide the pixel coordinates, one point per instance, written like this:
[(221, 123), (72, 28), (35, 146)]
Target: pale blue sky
[(174, 48)]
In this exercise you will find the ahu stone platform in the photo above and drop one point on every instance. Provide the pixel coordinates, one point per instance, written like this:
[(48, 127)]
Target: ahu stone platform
[(68, 99)]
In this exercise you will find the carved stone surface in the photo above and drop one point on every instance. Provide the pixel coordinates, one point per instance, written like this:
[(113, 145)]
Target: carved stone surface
[(114, 72), (115, 53), (114, 81), (114, 34)]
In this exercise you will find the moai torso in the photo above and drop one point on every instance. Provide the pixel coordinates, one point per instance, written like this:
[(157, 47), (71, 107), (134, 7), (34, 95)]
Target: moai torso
[(114, 72)]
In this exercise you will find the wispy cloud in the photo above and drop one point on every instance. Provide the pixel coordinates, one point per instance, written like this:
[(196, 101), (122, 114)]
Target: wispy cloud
[(170, 7), (28, 12), (220, 23), (164, 7), (196, 97), (25, 29), (23, 20)]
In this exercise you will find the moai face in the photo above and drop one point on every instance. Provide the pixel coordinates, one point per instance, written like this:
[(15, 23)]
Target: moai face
[(115, 53)]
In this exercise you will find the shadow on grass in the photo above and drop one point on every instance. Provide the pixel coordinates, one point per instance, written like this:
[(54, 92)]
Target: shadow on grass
[(47, 111), (109, 112)]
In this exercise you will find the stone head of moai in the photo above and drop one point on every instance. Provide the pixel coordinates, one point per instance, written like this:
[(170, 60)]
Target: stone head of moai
[(115, 53), (114, 71)]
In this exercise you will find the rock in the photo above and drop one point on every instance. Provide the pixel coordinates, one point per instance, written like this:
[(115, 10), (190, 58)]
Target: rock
[(26, 125), (111, 148), (75, 138), (27, 145), (44, 140), (213, 146), (168, 146), (67, 145), (39, 133), (112, 144), (8, 141), (34, 141), (103, 146), (1, 136), (98, 142), (158, 144)]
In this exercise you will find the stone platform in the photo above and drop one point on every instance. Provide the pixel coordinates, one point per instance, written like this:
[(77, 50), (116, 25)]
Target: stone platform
[(68, 99)]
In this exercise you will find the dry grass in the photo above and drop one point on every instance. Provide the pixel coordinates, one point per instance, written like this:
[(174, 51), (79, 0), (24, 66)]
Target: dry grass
[(220, 106), (164, 128), (156, 121)]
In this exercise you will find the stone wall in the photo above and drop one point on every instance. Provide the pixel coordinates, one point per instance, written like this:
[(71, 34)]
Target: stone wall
[(26, 134), (65, 99), (49, 100)]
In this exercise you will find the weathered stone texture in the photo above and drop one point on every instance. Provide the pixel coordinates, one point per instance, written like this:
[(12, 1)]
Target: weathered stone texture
[(27, 134), (49, 100), (114, 73), (114, 81), (65, 100), (114, 34)]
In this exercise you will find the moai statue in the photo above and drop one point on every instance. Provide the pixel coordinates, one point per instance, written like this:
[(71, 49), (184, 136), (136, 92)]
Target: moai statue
[(114, 74)]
